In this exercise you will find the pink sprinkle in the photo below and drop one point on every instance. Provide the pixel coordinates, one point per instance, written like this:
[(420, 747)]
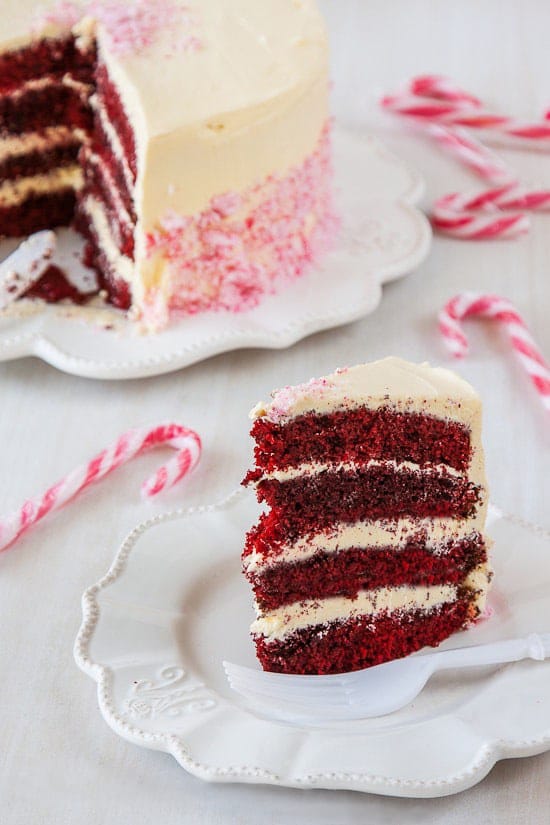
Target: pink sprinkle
[(132, 27), (244, 244), (285, 398), (226, 204), (64, 14)]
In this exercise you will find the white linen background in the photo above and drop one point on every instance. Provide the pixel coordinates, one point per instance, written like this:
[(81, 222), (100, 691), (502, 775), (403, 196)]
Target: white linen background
[(59, 762)]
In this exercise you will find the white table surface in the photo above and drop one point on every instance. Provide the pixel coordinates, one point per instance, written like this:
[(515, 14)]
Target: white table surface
[(59, 762)]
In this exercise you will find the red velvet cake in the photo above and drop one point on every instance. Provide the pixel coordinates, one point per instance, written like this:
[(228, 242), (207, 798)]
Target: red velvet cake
[(187, 142), (372, 545)]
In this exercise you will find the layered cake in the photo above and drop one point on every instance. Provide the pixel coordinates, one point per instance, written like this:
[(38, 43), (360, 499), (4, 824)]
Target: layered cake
[(188, 142), (373, 542)]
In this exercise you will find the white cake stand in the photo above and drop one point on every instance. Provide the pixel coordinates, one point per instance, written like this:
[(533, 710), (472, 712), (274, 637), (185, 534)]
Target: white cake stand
[(175, 604), (383, 237)]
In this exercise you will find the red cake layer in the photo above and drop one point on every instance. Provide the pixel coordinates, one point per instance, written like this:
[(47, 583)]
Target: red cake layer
[(100, 146), (118, 291), (108, 96), (99, 185), (363, 642), (38, 162), (359, 435), (60, 104), (37, 212), (312, 502), (50, 56), (35, 109), (346, 572)]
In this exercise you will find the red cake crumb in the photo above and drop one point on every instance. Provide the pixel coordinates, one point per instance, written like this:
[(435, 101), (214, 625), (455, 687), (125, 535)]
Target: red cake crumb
[(354, 644), (53, 286), (346, 572)]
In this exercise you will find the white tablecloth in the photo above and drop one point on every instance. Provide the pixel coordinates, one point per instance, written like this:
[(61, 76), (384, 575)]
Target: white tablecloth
[(59, 763)]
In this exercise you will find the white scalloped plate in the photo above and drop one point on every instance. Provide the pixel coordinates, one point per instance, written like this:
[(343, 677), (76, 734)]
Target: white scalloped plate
[(174, 605), (383, 237)]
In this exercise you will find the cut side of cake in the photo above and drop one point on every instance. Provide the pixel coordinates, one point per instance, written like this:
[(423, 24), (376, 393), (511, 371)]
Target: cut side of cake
[(372, 545), (189, 143)]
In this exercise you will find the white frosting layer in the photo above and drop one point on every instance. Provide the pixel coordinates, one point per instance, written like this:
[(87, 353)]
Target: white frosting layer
[(116, 199), (318, 467), (50, 138), (433, 533), (13, 192), (276, 624), (123, 265), (389, 382), (38, 84), (114, 141)]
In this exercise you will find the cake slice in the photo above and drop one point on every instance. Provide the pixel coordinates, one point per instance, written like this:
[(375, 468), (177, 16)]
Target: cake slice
[(373, 542)]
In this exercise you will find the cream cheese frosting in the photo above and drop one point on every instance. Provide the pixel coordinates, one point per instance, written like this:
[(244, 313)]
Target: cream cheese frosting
[(435, 533), (276, 624), (317, 467), (12, 146), (389, 382), (62, 177)]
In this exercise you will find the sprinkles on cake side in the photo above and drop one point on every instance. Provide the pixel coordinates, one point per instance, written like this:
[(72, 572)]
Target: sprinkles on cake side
[(373, 543)]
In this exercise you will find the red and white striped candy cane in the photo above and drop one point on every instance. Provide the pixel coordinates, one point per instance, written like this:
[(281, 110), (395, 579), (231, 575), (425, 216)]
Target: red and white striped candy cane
[(461, 112), (440, 88), (483, 215), (469, 304), (131, 444), (442, 109), (469, 151), (452, 215)]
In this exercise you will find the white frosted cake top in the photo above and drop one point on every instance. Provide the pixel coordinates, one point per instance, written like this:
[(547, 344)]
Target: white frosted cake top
[(390, 381), (205, 58)]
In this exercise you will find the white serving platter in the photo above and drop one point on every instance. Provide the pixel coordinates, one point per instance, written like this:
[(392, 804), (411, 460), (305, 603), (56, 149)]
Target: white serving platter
[(174, 605), (384, 236)]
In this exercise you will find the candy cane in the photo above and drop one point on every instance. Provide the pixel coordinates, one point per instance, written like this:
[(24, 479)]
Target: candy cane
[(442, 108), (464, 113), (452, 216), (494, 307), (440, 88), (482, 215), (470, 152), (128, 446)]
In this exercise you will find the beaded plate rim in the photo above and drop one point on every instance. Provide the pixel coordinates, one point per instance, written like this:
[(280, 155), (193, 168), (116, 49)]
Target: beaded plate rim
[(479, 764)]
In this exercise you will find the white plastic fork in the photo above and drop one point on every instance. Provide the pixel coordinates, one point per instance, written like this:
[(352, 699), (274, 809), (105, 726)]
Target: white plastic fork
[(374, 691)]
